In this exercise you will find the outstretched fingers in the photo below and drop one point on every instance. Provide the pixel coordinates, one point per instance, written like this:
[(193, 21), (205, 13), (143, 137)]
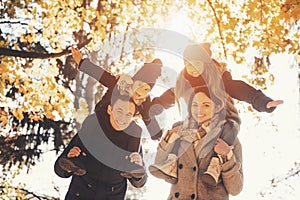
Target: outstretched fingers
[(75, 152), (77, 56), (273, 104)]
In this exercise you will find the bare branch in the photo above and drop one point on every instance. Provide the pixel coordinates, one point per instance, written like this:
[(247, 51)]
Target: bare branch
[(275, 182), (13, 22), (124, 39), (26, 54), (31, 195), (219, 27)]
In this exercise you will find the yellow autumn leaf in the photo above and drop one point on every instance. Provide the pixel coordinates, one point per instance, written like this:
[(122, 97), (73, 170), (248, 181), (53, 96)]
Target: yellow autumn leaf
[(59, 110), (3, 120), (18, 113), (49, 112), (31, 27), (21, 89), (3, 68)]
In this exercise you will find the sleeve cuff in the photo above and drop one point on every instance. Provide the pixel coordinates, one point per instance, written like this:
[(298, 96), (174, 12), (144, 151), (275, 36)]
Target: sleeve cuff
[(80, 63), (226, 166)]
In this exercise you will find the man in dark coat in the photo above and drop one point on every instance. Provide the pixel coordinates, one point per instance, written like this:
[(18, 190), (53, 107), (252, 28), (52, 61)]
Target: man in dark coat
[(108, 145)]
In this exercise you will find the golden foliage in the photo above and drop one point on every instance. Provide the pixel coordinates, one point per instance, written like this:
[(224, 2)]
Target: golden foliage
[(232, 26), (34, 86)]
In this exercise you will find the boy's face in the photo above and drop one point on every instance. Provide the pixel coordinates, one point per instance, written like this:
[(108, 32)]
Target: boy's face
[(120, 114), (140, 92), (202, 108), (194, 68)]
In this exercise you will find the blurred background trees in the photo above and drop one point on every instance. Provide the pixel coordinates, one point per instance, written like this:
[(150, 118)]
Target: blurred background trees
[(43, 99)]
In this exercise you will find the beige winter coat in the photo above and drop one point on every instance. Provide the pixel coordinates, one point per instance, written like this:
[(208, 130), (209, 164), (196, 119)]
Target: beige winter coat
[(189, 172)]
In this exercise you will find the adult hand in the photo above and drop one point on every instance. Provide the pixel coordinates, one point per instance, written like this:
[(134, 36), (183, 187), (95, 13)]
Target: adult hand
[(136, 159), (273, 104), (126, 175), (75, 152), (222, 147), (172, 135), (77, 56)]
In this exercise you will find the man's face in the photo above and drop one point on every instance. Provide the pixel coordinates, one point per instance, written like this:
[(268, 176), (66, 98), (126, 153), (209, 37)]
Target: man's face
[(202, 108), (120, 114), (194, 68), (140, 92)]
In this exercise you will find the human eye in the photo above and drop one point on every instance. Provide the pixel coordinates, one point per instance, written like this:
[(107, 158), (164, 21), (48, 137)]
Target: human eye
[(194, 105), (118, 111), (207, 105), (129, 114)]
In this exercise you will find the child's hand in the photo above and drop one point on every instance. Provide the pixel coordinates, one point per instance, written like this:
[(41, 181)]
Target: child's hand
[(172, 135), (136, 158), (222, 147), (124, 84), (273, 104), (75, 152), (77, 56)]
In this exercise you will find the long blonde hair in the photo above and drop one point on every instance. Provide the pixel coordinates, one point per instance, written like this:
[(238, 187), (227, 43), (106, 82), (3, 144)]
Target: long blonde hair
[(214, 83)]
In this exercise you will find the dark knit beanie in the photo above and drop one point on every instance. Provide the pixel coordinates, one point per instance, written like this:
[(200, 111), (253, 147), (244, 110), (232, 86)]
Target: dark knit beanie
[(149, 72)]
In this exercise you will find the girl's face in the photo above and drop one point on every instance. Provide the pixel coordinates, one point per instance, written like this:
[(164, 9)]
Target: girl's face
[(202, 108), (195, 69), (140, 92)]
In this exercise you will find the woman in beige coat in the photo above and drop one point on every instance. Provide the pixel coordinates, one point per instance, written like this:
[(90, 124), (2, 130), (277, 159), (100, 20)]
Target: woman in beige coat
[(195, 144)]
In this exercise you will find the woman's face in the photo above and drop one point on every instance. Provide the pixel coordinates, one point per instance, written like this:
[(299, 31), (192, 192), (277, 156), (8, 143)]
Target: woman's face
[(202, 108), (195, 68)]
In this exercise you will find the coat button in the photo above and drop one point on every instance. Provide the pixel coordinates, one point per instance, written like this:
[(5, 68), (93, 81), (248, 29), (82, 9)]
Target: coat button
[(176, 194), (77, 194), (195, 168), (89, 185), (180, 166), (193, 196)]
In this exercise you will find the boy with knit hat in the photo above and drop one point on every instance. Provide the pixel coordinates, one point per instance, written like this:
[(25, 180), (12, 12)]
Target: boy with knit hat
[(137, 87)]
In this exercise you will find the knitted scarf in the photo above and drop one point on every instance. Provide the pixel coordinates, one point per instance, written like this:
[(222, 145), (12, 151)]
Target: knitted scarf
[(213, 132)]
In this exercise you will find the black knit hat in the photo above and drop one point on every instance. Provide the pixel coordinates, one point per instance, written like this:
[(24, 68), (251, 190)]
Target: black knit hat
[(149, 72)]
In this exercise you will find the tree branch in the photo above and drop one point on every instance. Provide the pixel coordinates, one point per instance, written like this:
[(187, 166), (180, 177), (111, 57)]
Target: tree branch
[(26, 54), (275, 182), (219, 27), (124, 39), (11, 22), (28, 193)]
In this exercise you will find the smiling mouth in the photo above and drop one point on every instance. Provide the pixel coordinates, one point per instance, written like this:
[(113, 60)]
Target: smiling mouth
[(120, 123)]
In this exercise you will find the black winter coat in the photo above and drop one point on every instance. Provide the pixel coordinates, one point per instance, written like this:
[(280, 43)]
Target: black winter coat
[(105, 155)]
